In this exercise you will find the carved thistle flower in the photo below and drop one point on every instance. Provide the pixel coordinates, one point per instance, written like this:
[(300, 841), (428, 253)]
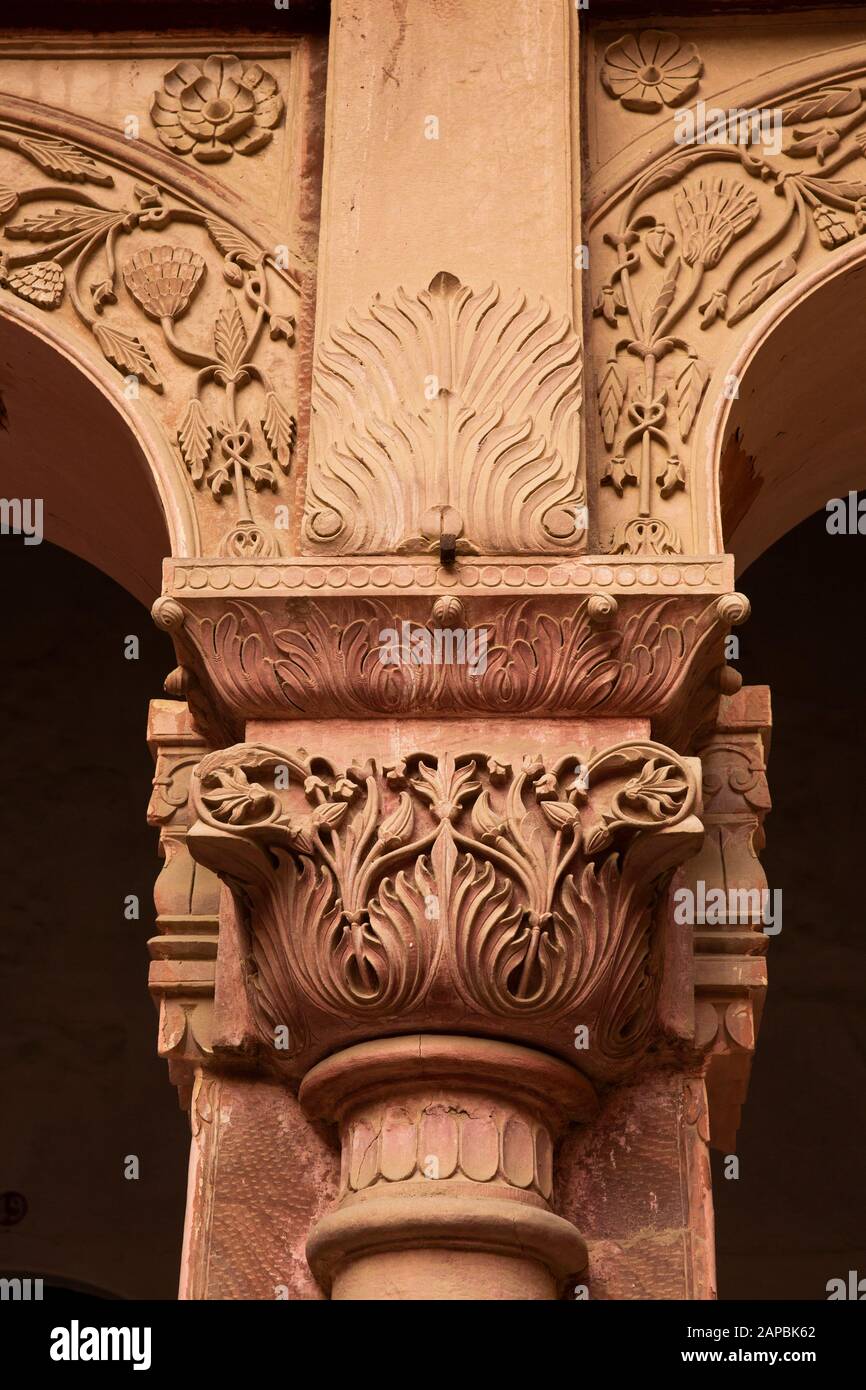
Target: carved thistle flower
[(711, 215), (216, 109), (648, 71), (163, 280)]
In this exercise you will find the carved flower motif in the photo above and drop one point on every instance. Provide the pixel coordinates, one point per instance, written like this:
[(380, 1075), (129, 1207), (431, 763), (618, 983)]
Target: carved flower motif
[(561, 814), (648, 71), (658, 789), (164, 279), (235, 800), (711, 216), (328, 815), (671, 476), (620, 475), (345, 787), (217, 109), (487, 825), (833, 230)]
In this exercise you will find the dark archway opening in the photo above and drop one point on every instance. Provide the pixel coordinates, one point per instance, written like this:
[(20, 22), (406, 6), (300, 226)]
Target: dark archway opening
[(81, 1087), (796, 1218)]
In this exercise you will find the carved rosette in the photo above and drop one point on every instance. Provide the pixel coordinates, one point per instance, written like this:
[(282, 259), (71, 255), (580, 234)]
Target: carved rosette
[(454, 892)]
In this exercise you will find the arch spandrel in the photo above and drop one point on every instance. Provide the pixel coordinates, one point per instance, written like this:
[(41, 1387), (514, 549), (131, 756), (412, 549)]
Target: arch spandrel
[(173, 290), (699, 246)]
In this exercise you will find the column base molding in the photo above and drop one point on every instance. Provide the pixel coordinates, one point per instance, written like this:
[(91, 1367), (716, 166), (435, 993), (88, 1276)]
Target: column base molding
[(447, 1172)]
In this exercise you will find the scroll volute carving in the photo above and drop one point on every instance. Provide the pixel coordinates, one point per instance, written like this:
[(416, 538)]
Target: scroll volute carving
[(450, 891), (452, 413)]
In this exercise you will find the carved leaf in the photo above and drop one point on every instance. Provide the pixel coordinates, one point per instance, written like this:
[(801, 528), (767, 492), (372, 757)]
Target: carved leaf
[(829, 101), (611, 394), (63, 160), (663, 300), (280, 430), (690, 386), (127, 353), (195, 437), (762, 287), (837, 192), (62, 224), (230, 335), (232, 242)]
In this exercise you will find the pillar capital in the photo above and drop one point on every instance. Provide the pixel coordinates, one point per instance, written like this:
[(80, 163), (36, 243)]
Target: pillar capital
[(455, 887)]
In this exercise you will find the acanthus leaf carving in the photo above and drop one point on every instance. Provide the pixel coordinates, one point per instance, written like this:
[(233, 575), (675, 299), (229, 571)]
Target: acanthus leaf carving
[(512, 897)]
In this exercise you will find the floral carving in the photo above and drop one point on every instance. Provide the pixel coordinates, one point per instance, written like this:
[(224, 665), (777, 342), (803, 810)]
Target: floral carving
[(650, 70), (725, 247), (163, 279), (711, 216), (73, 250), (449, 411), (216, 109), (514, 892)]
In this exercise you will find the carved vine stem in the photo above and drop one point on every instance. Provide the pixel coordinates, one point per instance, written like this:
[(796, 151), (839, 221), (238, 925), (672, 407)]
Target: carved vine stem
[(162, 280)]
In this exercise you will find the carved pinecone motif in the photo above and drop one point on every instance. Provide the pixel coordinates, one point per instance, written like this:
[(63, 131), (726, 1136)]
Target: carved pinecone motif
[(41, 284)]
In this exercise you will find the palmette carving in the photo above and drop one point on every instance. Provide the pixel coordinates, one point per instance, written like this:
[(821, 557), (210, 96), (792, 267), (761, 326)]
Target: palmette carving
[(511, 898), (447, 411)]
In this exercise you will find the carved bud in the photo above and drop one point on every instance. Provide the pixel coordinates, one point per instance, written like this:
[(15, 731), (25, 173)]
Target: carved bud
[(396, 828), (449, 612)]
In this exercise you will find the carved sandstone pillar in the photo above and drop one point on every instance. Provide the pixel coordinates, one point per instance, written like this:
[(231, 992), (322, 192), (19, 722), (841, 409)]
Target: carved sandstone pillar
[(453, 742), (427, 943)]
